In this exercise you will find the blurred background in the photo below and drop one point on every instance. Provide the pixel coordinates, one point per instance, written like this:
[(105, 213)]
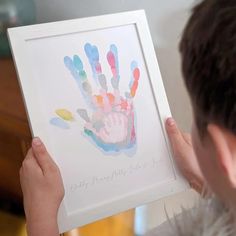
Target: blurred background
[(166, 20)]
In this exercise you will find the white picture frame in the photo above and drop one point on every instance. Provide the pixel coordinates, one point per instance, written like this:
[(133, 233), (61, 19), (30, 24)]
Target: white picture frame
[(26, 53)]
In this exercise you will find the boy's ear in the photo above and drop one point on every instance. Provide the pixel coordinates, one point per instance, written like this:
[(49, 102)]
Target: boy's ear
[(224, 154)]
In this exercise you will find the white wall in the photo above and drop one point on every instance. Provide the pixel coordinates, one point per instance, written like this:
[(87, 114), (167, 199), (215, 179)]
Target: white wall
[(166, 19)]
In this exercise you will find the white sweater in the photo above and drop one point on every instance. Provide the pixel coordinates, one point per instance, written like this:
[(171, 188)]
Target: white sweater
[(208, 218)]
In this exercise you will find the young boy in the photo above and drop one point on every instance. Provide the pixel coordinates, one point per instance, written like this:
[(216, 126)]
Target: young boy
[(208, 50)]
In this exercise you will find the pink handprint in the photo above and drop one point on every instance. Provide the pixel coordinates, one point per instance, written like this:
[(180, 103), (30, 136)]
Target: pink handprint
[(112, 123)]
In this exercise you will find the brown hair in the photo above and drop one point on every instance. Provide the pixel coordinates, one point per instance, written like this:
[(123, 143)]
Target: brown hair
[(208, 50)]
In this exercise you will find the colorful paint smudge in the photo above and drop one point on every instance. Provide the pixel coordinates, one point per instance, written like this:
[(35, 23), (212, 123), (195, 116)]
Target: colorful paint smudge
[(112, 124)]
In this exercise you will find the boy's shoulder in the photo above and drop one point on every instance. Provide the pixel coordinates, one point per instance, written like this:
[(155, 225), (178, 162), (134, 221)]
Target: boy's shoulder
[(163, 229), (209, 217)]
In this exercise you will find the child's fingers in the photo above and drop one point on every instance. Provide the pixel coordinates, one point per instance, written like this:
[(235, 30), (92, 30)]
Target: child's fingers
[(174, 134), (187, 138), (29, 154), (29, 164), (41, 155)]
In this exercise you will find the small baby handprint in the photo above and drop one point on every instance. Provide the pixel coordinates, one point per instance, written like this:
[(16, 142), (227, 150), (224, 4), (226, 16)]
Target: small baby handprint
[(111, 125)]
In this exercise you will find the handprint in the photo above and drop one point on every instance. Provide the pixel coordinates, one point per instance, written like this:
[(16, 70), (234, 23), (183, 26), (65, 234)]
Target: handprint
[(111, 125)]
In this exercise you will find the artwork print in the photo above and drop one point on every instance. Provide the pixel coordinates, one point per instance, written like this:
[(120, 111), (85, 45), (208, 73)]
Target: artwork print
[(95, 96), (110, 120)]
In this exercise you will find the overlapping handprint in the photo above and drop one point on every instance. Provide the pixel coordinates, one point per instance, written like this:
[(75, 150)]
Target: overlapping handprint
[(111, 125)]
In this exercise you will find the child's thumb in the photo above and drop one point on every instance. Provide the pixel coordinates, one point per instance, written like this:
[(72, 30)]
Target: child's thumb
[(42, 156)]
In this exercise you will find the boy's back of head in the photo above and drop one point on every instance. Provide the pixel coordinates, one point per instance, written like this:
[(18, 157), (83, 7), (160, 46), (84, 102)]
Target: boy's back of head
[(208, 50)]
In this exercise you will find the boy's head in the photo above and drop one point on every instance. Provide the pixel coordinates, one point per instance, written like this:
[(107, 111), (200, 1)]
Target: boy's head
[(208, 50)]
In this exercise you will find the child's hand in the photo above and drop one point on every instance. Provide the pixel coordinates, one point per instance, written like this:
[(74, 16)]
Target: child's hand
[(184, 155), (42, 189)]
